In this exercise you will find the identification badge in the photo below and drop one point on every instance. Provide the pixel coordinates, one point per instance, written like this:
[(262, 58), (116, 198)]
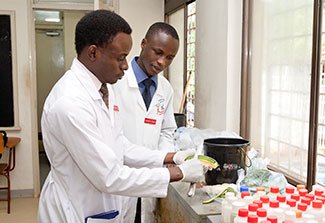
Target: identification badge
[(160, 106), (115, 108), (150, 121)]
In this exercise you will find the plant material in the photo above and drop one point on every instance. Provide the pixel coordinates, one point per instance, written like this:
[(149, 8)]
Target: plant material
[(206, 161), (222, 194)]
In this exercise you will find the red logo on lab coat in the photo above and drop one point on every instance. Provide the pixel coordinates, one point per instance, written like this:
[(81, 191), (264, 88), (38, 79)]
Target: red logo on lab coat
[(150, 121), (116, 108)]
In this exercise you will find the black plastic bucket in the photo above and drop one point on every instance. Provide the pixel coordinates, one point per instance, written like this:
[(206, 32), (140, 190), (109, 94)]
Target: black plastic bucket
[(230, 153)]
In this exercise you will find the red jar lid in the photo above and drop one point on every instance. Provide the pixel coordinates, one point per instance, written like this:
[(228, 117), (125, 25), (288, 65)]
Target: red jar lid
[(259, 203), (261, 213), (295, 197), (245, 193), (265, 199), (290, 190), (281, 198), (274, 189), (303, 192), (243, 212), (319, 192), (302, 206), (274, 204), (291, 202), (272, 219), (310, 196), (306, 200), (316, 204), (252, 219), (321, 199), (252, 207)]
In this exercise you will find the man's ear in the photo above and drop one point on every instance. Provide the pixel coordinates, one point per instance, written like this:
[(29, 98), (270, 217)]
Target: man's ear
[(143, 43), (92, 52)]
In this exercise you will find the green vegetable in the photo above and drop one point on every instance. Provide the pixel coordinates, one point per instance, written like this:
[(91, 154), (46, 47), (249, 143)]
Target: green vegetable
[(222, 194)]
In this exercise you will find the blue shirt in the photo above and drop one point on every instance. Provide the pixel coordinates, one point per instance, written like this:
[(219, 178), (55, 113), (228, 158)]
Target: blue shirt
[(141, 76)]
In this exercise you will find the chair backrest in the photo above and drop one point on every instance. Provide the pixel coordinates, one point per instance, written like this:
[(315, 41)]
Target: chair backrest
[(3, 141)]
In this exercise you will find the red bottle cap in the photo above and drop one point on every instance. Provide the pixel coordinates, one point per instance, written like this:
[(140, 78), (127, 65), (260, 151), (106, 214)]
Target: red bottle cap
[(274, 204), (319, 192), (290, 190), (252, 207), (265, 199), (281, 198), (321, 199), (302, 206), (274, 189), (259, 203), (305, 200), (252, 219), (295, 197), (245, 193), (291, 202), (316, 204), (261, 213), (310, 196), (303, 192), (243, 212), (272, 219)]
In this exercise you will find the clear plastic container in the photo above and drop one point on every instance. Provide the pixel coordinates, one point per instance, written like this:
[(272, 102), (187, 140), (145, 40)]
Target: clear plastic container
[(252, 208), (265, 199), (261, 214), (235, 206), (274, 204), (258, 194), (290, 215), (316, 210), (306, 217), (242, 216), (225, 202), (248, 200), (274, 191), (280, 214), (228, 209)]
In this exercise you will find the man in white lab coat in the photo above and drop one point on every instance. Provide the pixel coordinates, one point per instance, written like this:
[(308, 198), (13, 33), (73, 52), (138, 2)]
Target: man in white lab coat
[(148, 121), (92, 163)]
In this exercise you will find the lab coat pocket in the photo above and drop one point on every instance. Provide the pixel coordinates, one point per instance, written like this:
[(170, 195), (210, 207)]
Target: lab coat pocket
[(105, 217)]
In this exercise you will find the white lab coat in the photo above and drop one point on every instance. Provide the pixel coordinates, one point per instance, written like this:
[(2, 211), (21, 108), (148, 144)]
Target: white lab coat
[(138, 127), (89, 153)]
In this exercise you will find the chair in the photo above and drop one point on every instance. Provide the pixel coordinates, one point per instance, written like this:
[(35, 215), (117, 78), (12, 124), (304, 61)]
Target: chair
[(6, 168)]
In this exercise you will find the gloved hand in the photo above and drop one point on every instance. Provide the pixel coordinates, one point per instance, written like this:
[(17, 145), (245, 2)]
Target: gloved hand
[(180, 156), (193, 171)]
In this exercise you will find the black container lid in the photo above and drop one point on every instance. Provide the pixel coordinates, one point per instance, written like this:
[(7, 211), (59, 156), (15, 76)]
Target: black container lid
[(226, 142)]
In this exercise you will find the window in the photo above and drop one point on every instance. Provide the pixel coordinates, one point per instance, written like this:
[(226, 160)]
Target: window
[(190, 71), (280, 80), (8, 72)]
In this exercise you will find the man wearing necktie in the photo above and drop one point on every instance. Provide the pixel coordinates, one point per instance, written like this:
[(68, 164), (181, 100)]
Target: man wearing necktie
[(145, 100)]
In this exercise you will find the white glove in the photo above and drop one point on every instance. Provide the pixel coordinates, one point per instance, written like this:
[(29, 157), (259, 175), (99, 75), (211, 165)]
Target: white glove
[(193, 171), (180, 156)]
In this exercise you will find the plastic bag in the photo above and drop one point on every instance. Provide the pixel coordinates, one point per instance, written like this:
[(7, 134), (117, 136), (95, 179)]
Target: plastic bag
[(259, 176)]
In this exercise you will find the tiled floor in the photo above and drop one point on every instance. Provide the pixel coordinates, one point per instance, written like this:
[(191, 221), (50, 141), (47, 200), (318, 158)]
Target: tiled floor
[(23, 210)]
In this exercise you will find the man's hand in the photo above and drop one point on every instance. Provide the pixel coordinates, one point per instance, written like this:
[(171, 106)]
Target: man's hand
[(193, 171), (180, 156)]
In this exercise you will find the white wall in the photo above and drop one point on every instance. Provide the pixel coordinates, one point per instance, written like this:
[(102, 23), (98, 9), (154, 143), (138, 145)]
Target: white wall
[(140, 14), (25, 176), (218, 53), (176, 69)]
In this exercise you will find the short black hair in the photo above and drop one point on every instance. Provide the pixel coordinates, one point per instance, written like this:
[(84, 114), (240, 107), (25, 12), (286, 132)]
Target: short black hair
[(162, 27), (98, 28)]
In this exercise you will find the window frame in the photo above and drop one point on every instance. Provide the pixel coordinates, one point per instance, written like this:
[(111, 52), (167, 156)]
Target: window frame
[(314, 94)]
